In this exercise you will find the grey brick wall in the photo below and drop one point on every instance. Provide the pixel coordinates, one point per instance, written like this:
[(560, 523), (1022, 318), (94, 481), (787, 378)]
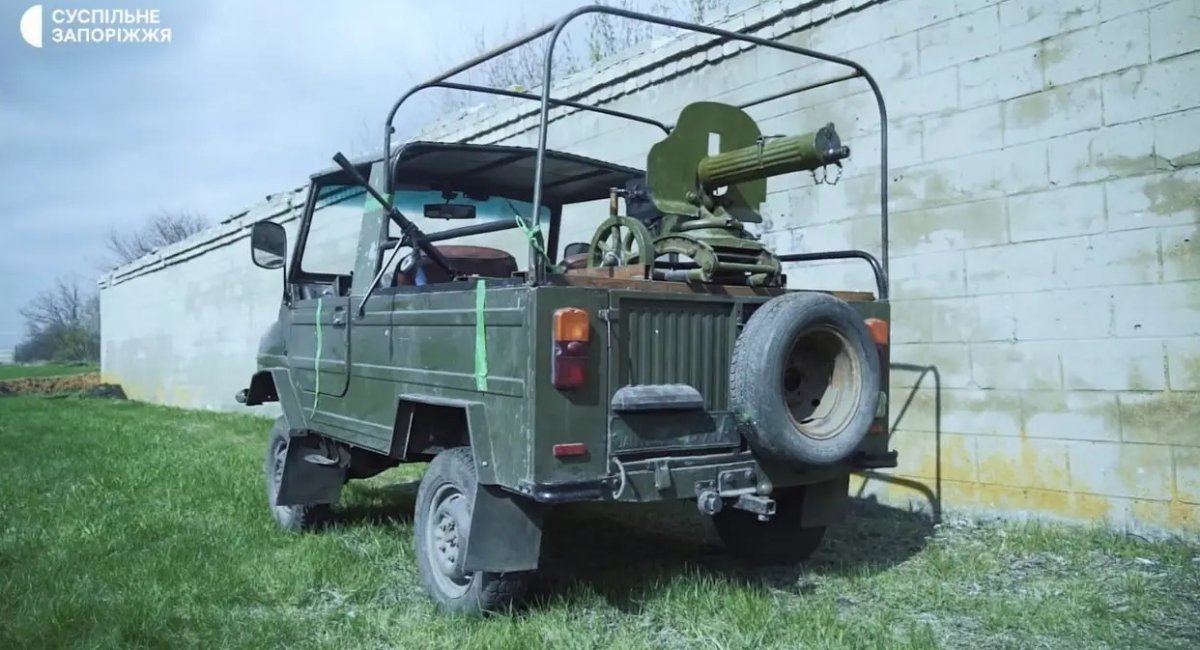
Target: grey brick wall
[(1046, 272)]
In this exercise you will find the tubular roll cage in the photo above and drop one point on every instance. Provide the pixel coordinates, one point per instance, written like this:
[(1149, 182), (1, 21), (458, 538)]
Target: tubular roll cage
[(879, 266)]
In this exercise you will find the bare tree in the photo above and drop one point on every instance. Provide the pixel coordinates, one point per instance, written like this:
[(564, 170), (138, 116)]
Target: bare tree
[(519, 70), (61, 322), (62, 304), (159, 230), (522, 69)]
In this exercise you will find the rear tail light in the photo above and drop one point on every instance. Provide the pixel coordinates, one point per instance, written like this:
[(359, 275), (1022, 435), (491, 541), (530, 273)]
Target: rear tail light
[(881, 334), (879, 331), (572, 331)]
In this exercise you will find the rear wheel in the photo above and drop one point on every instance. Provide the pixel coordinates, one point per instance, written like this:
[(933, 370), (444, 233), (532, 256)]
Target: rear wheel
[(779, 540), (293, 518), (443, 519)]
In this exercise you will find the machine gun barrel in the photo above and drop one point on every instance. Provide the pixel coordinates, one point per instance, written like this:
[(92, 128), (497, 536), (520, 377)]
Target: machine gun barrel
[(772, 157)]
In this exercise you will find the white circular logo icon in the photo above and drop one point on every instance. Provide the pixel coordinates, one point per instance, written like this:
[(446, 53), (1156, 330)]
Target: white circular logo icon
[(31, 25)]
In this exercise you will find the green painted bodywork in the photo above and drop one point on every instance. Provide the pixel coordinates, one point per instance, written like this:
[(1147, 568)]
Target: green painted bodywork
[(398, 372)]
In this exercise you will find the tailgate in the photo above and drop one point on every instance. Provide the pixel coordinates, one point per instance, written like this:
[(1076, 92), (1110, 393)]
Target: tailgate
[(668, 341)]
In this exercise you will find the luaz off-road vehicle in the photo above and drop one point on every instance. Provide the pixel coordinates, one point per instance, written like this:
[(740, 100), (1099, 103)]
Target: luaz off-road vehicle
[(666, 358)]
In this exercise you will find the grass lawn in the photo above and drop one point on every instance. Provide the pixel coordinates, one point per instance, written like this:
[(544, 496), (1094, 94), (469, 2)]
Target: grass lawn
[(11, 371), (127, 525)]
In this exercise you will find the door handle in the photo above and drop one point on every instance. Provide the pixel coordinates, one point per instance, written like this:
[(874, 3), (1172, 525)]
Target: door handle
[(339, 317)]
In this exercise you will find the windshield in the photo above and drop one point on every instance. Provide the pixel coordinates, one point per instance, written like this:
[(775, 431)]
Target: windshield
[(337, 217), (412, 205), (333, 232)]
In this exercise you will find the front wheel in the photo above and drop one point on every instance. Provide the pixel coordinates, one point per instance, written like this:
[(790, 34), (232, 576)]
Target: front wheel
[(443, 519), (779, 540)]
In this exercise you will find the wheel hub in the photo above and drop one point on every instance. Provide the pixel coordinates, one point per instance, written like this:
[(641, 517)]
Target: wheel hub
[(819, 383), (446, 538), (278, 460)]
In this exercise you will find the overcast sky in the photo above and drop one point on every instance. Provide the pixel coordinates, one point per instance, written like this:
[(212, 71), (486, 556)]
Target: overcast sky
[(248, 99)]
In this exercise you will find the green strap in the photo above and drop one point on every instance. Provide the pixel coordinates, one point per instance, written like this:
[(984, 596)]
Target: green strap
[(481, 369), (534, 235), (317, 360)]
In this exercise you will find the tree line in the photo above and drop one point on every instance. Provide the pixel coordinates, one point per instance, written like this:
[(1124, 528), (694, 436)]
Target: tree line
[(62, 322)]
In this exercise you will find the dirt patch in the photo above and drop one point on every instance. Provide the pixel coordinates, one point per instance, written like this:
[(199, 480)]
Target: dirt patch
[(50, 385)]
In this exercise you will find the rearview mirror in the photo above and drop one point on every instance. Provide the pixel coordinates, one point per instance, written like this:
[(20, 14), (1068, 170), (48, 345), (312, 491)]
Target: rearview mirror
[(449, 211), (268, 244)]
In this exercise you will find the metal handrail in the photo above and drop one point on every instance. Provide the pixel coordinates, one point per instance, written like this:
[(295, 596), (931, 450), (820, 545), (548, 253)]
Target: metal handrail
[(537, 274), (881, 279)]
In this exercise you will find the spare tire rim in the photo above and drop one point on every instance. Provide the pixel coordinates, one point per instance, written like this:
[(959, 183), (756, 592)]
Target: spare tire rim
[(821, 382)]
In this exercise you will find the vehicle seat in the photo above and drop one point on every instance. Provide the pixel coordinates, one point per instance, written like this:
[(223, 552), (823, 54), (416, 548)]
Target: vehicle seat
[(573, 262), (473, 260), (575, 256)]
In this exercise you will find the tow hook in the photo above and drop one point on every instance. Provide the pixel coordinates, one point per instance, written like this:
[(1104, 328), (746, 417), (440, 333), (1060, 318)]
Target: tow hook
[(709, 502), (764, 507)]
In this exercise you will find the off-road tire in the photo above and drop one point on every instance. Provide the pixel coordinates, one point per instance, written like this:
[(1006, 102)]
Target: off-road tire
[(779, 540), (294, 518), (452, 472), (809, 326)]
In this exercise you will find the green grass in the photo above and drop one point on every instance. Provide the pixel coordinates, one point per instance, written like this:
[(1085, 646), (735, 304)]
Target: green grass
[(127, 525), (11, 371)]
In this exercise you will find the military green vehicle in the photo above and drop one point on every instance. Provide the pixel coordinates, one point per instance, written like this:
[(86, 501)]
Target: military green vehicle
[(664, 358)]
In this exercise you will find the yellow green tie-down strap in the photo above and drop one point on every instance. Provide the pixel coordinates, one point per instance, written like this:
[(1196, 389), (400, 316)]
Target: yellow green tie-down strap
[(481, 368), (317, 360)]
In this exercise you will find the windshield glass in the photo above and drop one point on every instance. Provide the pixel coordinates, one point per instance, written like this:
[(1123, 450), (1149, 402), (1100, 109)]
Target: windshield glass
[(337, 217), (333, 232), (412, 205)]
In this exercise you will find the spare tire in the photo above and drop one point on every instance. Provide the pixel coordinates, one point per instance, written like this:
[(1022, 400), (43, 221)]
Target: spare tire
[(804, 382)]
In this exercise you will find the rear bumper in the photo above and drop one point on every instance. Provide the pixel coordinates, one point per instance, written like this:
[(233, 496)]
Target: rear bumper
[(600, 489), (669, 478)]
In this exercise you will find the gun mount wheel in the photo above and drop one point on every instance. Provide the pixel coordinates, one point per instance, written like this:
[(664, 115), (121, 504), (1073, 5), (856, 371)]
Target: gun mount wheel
[(779, 540), (443, 517), (804, 380), (620, 241), (293, 518)]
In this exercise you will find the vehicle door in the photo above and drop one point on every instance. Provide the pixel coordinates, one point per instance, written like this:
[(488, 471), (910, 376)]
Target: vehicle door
[(319, 336)]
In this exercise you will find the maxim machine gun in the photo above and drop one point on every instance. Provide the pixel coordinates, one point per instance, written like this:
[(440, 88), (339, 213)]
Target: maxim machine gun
[(704, 183)]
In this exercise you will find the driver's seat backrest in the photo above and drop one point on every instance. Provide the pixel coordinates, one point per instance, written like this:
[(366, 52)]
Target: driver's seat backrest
[(472, 260)]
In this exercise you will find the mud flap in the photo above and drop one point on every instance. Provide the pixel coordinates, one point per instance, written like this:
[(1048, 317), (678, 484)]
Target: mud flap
[(825, 502), (310, 476), (506, 532)]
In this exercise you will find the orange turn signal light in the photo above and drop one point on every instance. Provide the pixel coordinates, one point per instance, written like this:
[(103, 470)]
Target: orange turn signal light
[(570, 324), (879, 330)]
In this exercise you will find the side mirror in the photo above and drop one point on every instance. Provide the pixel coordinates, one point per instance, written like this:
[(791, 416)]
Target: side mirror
[(268, 244)]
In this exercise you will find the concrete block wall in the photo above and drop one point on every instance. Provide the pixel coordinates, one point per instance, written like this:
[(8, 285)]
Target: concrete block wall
[(1045, 194)]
